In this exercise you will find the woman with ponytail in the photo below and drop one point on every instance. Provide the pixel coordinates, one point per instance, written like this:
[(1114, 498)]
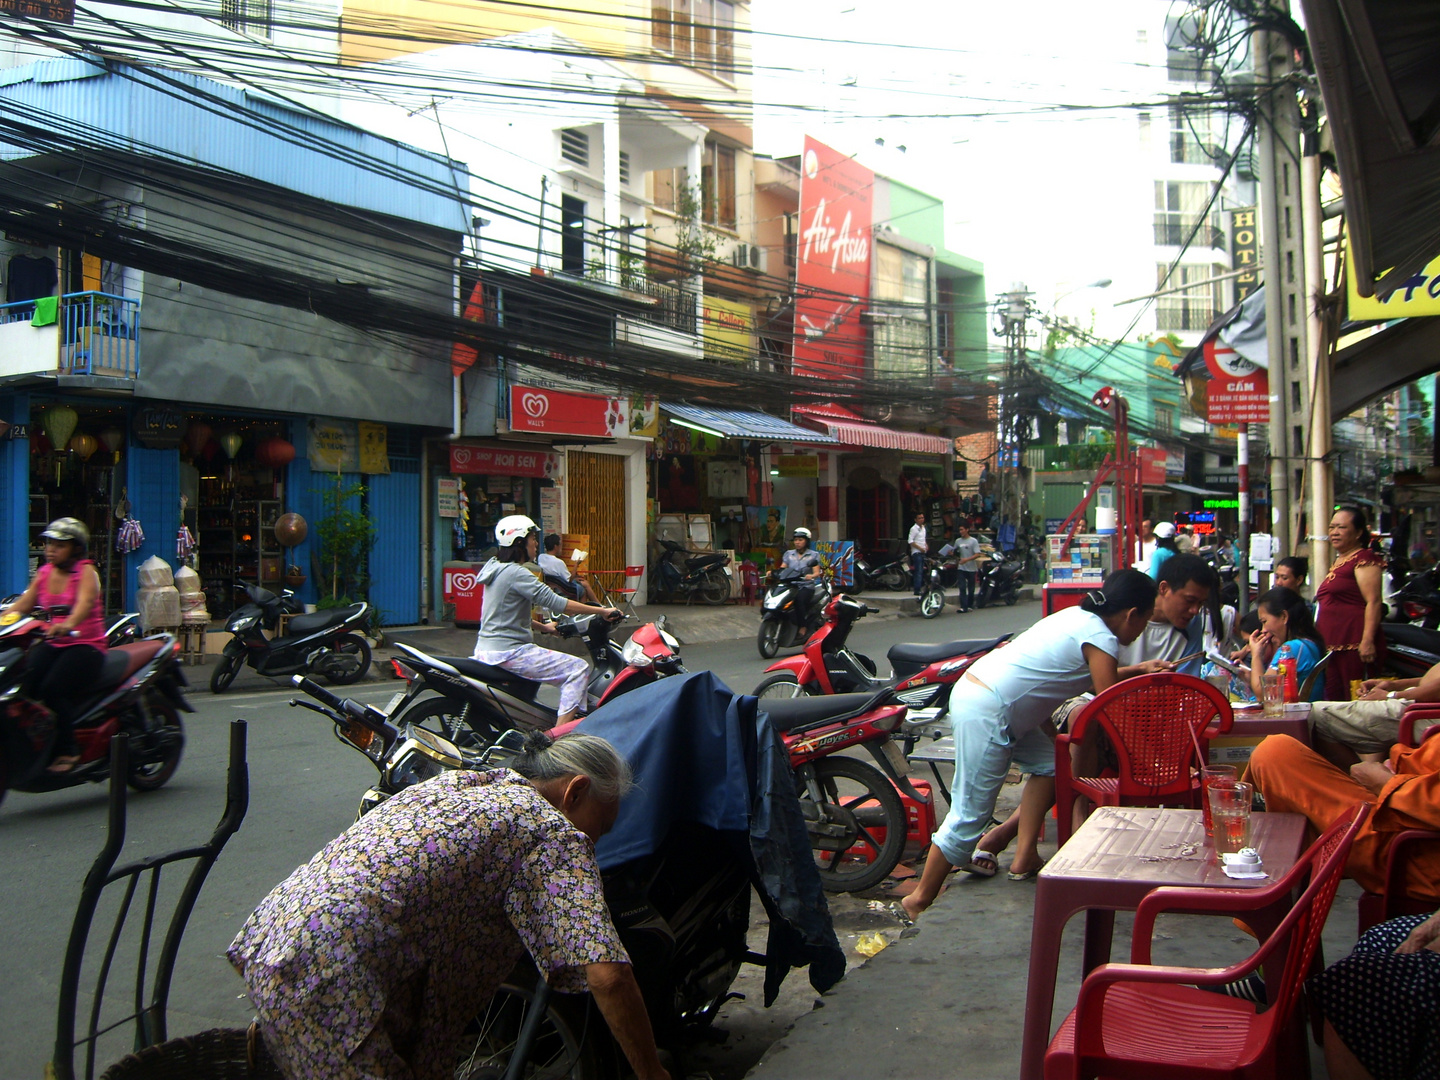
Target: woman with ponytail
[(1000, 709)]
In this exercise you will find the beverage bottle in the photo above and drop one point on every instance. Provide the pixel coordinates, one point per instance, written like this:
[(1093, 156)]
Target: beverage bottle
[(1292, 681)]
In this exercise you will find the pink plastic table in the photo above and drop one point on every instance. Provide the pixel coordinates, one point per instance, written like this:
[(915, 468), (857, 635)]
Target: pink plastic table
[(1253, 722), (1117, 856)]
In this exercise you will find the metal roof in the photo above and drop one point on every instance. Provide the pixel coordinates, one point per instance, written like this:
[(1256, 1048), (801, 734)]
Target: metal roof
[(739, 424), (85, 105), (858, 432)]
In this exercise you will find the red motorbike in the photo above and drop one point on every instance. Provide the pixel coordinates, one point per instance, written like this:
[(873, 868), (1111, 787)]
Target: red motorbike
[(140, 691), (922, 674)]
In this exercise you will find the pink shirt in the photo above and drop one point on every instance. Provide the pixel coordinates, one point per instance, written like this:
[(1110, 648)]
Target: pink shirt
[(91, 630)]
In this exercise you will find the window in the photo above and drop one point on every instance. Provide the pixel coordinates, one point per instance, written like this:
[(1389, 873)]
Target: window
[(1144, 130), (247, 16), (900, 328), (625, 167), (1198, 305), (1164, 420), (668, 184), (575, 147), (1179, 204), (717, 185), (572, 234), (698, 32), (1191, 134), (1188, 56)]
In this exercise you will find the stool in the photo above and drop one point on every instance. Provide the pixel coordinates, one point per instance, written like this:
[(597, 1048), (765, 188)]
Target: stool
[(192, 642)]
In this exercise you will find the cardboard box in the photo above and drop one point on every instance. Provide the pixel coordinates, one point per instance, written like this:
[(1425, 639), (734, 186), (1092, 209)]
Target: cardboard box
[(1234, 750)]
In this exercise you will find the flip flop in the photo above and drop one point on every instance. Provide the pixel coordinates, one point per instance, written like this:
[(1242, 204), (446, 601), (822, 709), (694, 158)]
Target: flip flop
[(1028, 875), (978, 864), (62, 765)]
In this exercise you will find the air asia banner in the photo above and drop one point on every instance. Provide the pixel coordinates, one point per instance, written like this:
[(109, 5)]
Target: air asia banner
[(832, 275)]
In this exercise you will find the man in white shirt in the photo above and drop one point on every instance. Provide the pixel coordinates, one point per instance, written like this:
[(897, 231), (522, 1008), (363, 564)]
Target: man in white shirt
[(552, 566), (919, 544), (1147, 545)]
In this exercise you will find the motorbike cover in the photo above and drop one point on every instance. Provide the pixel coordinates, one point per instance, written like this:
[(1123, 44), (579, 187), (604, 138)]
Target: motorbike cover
[(703, 754)]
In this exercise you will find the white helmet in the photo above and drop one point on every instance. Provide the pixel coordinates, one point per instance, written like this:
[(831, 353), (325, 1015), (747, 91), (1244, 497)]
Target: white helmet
[(802, 531), (513, 528)]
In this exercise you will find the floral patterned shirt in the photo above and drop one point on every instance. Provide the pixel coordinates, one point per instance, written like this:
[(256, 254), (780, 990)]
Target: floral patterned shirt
[(425, 904)]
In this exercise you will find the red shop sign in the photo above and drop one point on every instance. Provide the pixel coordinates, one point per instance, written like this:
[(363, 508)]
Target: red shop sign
[(560, 412), (1238, 391), (502, 461)]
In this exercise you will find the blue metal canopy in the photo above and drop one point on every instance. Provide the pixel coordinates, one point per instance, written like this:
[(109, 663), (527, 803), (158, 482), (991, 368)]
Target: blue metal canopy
[(739, 424)]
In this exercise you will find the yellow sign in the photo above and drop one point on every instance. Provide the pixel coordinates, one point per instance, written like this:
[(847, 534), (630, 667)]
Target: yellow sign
[(374, 449), (797, 464), (729, 330), (1419, 295), (333, 446)]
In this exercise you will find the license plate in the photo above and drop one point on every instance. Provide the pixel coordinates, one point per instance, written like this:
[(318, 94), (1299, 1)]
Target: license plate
[(390, 705), (896, 757)]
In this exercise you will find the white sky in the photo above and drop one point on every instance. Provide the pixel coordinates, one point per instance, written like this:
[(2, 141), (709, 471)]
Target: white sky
[(1056, 200)]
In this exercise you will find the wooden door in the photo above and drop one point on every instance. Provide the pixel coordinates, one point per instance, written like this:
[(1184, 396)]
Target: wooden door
[(595, 504)]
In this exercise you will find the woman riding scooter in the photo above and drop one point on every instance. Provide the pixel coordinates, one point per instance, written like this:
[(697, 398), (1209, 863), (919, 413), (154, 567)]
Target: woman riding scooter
[(803, 560), (61, 670), (511, 591)]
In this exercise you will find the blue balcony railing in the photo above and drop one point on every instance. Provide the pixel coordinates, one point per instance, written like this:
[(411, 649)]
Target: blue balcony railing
[(99, 333)]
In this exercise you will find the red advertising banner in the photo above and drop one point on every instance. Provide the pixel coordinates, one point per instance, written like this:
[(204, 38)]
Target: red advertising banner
[(503, 461), (832, 274), (561, 412), (1238, 391), (1152, 465)]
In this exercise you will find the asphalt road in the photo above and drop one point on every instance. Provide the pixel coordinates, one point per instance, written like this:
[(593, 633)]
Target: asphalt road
[(303, 791)]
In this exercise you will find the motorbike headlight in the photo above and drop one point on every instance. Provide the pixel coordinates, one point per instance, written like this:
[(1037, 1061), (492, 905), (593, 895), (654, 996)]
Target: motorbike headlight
[(633, 654), (245, 623), (773, 601), (672, 642)]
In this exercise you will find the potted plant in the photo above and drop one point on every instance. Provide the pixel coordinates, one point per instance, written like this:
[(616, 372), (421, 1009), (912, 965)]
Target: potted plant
[(294, 576)]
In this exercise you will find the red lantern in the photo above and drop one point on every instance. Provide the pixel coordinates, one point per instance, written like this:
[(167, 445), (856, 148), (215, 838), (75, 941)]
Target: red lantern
[(197, 436), (275, 453)]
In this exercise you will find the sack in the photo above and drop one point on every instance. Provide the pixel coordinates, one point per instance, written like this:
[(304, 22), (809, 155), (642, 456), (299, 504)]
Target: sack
[(155, 573)]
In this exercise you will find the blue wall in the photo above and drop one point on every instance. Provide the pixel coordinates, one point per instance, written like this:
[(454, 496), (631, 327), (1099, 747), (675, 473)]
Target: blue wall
[(14, 498), (395, 560), (153, 479)]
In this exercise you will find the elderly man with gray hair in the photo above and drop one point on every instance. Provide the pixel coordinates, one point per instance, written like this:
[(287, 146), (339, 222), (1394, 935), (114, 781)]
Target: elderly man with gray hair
[(370, 960)]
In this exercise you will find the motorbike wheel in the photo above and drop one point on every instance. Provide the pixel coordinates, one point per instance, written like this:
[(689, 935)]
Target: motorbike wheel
[(782, 686), (859, 794), (932, 603), (768, 640), (1012, 598), (226, 668), (351, 645), (448, 718), (715, 589), (561, 1046), (156, 774), (894, 579), (982, 598)]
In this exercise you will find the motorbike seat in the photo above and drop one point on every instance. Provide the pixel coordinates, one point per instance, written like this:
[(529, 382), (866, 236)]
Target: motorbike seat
[(318, 620), (499, 677), (913, 652), (787, 714), (124, 660), (714, 558)]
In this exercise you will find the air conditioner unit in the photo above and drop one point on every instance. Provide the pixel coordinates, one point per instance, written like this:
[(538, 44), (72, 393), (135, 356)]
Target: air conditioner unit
[(747, 257)]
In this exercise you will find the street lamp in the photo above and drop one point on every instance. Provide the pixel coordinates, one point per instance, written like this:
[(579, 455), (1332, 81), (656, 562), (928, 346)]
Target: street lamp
[(1099, 283)]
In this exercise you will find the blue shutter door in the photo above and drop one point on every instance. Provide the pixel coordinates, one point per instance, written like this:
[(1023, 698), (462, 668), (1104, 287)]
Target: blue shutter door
[(395, 559), (153, 479)]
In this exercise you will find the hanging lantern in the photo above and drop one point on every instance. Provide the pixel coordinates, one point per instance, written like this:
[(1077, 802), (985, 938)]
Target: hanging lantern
[(84, 446), (275, 452), (113, 437), (291, 529), (197, 436), (230, 443), (59, 423)]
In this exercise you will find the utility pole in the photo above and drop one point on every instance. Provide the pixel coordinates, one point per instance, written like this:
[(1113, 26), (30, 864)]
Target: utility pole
[(1286, 299), (1013, 310)]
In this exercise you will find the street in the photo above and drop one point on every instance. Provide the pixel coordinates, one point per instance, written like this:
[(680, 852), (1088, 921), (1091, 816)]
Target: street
[(303, 791)]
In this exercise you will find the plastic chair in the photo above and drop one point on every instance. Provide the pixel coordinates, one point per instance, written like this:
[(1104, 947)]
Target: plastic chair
[(1418, 722), (626, 593), (1396, 900), (1155, 723), (1316, 673), (1140, 1020)]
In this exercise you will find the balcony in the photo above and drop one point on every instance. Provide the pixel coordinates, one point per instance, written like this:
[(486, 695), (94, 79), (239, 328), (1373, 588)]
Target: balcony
[(95, 335), (1172, 231)]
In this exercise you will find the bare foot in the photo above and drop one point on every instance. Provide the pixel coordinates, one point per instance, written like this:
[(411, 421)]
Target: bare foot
[(63, 764)]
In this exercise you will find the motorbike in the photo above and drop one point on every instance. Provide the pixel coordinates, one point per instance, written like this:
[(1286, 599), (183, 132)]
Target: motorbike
[(140, 691), (1418, 599), (327, 643), (781, 621), (893, 573), (932, 592), (1001, 578), (1410, 650), (706, 575), (921, 674), (680, 898), (477, 702), (124, 629)]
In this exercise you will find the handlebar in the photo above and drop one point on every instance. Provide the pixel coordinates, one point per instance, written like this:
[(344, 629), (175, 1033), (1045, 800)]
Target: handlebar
[(344, 706)]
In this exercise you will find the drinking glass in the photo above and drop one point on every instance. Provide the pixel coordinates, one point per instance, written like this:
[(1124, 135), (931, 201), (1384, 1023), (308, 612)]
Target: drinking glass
[(1274, 695), (1230, 813), (1211, 776)]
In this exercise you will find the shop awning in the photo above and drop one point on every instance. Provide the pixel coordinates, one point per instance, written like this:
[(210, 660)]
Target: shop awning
[(739, 424), (1189, 489), (853, 430)]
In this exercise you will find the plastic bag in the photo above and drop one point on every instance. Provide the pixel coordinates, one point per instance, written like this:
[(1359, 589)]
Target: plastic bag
[(155, 573)]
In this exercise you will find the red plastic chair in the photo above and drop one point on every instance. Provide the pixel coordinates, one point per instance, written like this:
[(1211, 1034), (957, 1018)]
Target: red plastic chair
[(1154, 723), (626, 593), (1396, 900), (1137, 1020), (1418, 722)]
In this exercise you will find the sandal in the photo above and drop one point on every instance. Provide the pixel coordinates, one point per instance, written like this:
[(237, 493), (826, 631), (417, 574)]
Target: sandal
[(63, 764), (1028, 875), (982, 864)]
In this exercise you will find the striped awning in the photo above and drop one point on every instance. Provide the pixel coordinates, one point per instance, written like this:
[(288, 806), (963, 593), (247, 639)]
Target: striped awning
[(741, 424), (852, 430)]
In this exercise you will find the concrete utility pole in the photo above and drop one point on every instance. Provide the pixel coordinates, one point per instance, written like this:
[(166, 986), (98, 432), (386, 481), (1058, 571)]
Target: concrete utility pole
[(1013, 309), (1320, 470), (1286, 298)]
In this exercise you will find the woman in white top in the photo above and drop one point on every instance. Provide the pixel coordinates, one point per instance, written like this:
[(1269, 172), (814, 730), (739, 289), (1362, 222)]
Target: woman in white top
[(1000, 710)]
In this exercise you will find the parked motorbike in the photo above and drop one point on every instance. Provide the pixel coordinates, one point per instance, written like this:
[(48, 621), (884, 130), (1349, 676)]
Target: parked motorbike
[(790, 610), (477, 701), (1410, 650), (1001, 579), (140, 691), (892, 572), (932, 592), (682, 906), (705, 575), (921, 674), (1418, 599), (328, 643)]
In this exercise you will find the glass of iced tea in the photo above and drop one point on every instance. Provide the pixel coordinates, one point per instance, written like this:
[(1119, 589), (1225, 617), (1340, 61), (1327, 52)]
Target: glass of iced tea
[(1230, 815), (1211, 775)]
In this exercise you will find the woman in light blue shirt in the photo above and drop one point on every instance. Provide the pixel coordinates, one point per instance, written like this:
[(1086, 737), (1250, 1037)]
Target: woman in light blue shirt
[(998, 712)]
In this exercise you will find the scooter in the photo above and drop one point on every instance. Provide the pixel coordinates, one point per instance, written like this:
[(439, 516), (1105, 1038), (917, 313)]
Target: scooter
[(1001, 579), (932, 592), (327, 643), (921, 674), (781, 621), (140, 691), (706, 575), (1410, 649), (1418, 599), (891, 572), (477, 702), (124, 629)]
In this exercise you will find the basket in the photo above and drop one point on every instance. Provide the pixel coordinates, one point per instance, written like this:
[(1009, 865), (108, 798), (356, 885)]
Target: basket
[(219, 1054)]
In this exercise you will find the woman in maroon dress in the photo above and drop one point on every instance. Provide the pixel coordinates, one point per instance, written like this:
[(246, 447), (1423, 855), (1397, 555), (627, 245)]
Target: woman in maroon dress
[(1349, 605)]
